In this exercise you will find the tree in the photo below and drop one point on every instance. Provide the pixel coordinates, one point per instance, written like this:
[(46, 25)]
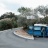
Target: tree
[(46, 20), (21, 21), (25, 11), (46, 12), (8, 15)]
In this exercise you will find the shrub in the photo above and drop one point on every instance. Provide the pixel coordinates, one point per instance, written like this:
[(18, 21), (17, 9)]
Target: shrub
[(14, 24), (25, 27), (7, 24)]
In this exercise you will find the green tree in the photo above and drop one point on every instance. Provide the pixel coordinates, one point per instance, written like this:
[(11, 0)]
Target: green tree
[(46, 20), (25, 11), (8, 15), (46, 11)]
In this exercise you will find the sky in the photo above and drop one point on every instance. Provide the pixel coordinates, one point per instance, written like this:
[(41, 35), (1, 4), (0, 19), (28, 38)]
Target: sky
[(13, 5)]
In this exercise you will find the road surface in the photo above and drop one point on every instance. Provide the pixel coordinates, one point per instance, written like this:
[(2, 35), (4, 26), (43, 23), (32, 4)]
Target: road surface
[(9, 40)]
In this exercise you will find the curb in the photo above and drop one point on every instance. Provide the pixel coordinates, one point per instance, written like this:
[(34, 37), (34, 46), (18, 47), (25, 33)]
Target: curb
[(23, 36)]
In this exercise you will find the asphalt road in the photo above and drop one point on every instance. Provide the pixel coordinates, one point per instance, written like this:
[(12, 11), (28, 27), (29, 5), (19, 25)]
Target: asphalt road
[(9, 40)]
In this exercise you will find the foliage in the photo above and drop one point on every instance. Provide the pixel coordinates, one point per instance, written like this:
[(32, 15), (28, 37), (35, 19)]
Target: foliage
[(14, 23), (7, 24), (46, 11), (46, 20), (21, 21), (22, 9), (8, 15), (25, 27), (25, 11)]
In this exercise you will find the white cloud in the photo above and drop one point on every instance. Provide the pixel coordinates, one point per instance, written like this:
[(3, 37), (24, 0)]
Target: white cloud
[(2, 5), (3, 9), (25, 3), (29, 3)]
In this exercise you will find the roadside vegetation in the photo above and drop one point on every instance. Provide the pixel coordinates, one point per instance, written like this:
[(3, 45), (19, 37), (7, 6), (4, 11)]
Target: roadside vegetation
[(9, 20)]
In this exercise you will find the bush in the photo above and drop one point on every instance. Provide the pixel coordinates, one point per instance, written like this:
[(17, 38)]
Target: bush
[(14, 24), (7, 24), (25, 27)]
